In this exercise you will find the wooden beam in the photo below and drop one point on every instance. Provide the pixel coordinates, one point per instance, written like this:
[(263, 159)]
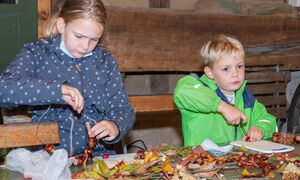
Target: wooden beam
[(272, 100), (262, 89), (153, 103), (27, 134), (159, 103), (285, 62), (265, 77), (170, 40), (279, 113), (44, 15)]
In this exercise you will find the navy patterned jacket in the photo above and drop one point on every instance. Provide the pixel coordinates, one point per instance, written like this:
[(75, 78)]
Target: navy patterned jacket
[(35, 78)]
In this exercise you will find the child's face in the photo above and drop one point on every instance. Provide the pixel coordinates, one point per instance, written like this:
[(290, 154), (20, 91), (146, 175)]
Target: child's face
[(80, 36), (228, 73)]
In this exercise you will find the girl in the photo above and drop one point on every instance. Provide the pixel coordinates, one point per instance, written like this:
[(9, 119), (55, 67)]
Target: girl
[(70, 79)]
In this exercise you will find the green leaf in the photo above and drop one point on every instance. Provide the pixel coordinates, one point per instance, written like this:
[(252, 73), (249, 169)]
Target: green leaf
[(297, 157), (157, 169), (102, 168)]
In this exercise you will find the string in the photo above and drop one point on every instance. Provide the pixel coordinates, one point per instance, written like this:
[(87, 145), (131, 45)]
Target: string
[(38, 124), (71, 136), (90, 119)]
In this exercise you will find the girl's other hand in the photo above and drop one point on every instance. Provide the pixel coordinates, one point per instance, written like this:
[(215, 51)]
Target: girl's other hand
[(73, 97), (104, 128), (254, 133)]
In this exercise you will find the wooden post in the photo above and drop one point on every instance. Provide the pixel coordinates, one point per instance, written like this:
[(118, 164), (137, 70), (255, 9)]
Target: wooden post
[(44, 15)]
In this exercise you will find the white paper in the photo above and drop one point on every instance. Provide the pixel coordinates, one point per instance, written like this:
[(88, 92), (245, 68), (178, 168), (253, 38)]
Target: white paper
[(208, 145), (295, 3)]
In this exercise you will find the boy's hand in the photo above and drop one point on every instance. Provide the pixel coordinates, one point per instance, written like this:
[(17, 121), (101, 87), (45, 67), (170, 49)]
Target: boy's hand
[(232, 114), (73, 97), (104, 128), (254, 133)]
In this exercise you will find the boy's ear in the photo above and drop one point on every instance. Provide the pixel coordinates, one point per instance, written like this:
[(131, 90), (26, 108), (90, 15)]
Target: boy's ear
[(208, 72), (60, 24)]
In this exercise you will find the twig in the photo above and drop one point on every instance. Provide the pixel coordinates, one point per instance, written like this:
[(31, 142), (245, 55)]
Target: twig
[(88, 126)]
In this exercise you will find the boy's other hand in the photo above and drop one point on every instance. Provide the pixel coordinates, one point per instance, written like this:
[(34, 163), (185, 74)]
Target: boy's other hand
[(104, 129), (232, 114), (73, 97), (254, 133)]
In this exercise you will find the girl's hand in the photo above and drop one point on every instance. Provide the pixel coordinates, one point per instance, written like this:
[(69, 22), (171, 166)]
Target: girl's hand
[(254, 133), (73, 97), (232, 114), (104, 128)]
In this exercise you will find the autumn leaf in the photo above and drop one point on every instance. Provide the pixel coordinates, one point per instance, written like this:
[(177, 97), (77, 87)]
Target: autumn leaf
[(167, 166), (246, 173), (157, 169), (103, 170), (148, 156)]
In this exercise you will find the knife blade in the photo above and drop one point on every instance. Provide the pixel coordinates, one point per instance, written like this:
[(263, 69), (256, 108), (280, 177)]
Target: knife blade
[(242, 127)]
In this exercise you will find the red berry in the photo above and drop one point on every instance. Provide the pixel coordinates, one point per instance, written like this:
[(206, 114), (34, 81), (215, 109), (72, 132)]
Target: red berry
[(49, 147), (90, 151), (297, 138), (105, 156), (140, 152)]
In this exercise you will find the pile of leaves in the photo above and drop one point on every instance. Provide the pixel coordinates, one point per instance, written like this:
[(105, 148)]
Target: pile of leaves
[(152, 164), (173, 162)]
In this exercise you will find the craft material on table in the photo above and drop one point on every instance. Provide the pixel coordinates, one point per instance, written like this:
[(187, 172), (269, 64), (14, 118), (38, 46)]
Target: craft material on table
[(113, 160), (264, 146)]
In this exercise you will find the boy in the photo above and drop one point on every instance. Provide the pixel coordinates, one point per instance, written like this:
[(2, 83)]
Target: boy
[(217, 105)]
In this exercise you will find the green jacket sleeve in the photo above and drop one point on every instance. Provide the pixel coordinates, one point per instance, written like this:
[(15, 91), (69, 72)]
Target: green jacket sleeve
[(190, 94), (262, 119)]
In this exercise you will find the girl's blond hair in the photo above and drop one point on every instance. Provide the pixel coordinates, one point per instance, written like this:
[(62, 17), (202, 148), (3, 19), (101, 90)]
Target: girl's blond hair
[(219, 46), (77, 9)]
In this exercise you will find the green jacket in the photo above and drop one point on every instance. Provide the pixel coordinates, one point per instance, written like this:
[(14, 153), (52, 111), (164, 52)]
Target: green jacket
[(198, 101)]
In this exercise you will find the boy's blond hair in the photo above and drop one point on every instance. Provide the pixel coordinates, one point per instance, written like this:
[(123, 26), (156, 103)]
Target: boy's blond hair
[(219, 46)]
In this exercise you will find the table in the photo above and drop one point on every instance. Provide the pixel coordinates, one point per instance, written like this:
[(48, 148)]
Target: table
[(13, 175)]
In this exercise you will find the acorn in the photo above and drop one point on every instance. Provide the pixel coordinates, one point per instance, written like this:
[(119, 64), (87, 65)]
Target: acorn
[(275, 139), (248, 139), (276, 134), (297, 138)]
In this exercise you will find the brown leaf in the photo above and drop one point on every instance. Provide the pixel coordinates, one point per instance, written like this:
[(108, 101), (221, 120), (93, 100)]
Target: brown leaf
[(209, 174)]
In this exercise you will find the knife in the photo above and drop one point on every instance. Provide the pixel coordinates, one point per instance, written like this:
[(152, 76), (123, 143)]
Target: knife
[(242, 127)]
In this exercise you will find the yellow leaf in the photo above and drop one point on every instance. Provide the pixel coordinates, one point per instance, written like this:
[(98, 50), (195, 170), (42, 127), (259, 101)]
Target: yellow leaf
[(243, 149), (101, 168), (271, 175), (167, 167), (148, 156), (245, 172)]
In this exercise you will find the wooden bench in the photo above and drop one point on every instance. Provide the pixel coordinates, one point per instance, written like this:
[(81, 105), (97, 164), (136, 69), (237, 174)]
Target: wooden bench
[(168, 41), (266, 84)]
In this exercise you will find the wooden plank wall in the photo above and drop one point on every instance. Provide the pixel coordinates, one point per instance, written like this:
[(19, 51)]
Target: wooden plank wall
[(146, 39)]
